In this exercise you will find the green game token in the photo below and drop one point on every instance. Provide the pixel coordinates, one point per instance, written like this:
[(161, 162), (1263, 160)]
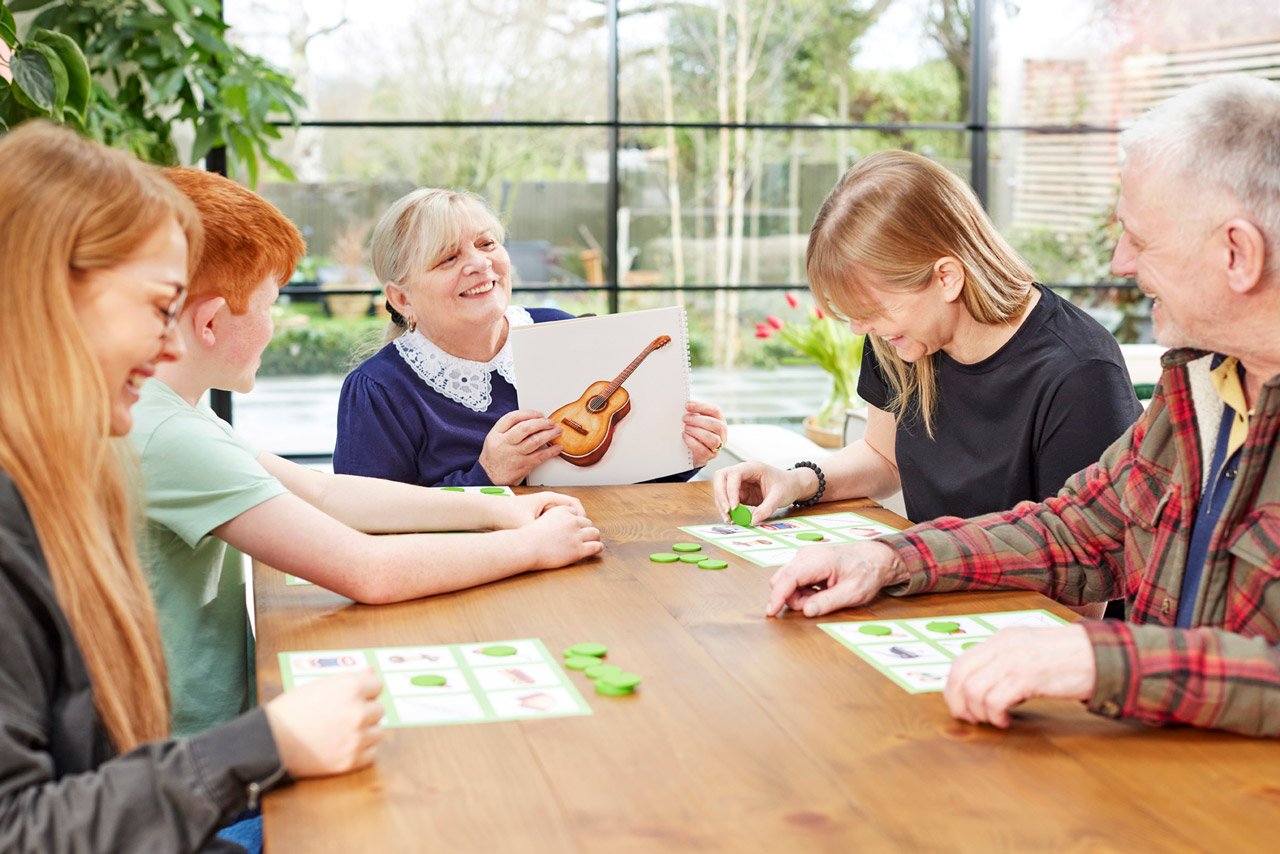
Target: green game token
[(713, 563), (428, 680), (599, 650), (607, 690), (580, 662), (943, 627), (596, 671), (686, 547), (452, 489), (741, 515), (498, 650), (664, 557), (620, 681), (694, 558), (875, 631), (493, 490), (810, 536)]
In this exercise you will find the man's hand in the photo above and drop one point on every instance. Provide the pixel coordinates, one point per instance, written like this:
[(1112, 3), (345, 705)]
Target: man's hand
[(1017, 665), (822, 579)]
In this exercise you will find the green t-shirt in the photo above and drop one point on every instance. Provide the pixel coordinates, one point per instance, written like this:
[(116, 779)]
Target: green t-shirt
[(198, 474)]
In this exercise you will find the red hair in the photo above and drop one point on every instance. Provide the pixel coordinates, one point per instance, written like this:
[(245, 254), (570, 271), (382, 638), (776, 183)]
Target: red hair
[(246, 239)]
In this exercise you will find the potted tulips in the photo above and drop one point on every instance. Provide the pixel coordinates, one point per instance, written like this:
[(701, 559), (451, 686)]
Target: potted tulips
[(832, 346)]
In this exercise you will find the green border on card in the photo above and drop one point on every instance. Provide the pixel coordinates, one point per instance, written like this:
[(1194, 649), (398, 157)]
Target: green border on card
[(777, 538), (918, 637), (461, 664)]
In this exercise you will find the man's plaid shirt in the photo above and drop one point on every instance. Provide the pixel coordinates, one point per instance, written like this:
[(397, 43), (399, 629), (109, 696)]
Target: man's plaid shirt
[(1120, 529)]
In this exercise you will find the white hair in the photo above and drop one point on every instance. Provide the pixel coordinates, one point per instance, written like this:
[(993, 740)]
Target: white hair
[(420, 227), (417, 231), (1221, 135)]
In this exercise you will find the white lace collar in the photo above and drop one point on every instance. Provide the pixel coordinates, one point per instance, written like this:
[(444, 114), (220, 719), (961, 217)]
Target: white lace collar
[(461, 380)]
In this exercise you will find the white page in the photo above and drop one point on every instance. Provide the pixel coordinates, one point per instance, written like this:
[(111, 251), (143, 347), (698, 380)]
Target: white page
[(556, 362)]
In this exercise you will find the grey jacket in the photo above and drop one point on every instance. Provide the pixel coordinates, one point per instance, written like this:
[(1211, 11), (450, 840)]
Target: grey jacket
[(62, 786)]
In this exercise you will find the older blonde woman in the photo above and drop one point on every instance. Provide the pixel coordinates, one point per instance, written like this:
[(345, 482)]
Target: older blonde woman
[(984, 388), (436, 405)]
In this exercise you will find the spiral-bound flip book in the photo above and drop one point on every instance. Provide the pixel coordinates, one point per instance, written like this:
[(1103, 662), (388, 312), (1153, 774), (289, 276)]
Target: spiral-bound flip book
[(617, 386)]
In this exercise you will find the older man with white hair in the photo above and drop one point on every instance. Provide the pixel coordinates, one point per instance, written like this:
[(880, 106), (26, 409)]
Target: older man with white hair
[(1181, 516)]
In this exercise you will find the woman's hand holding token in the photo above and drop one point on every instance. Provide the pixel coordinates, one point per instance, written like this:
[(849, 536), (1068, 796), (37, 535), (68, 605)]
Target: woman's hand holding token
[(329, 726), (760, 486), (518, 443), (704, 431)]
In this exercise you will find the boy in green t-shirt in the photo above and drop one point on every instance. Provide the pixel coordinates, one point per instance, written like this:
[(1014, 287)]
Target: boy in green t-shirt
[(207, 487)]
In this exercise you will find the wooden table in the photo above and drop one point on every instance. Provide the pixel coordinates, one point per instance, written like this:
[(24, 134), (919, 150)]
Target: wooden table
[(748, 734)]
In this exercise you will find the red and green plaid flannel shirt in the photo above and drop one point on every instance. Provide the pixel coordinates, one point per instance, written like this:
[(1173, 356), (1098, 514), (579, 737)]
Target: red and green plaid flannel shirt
[(1121, 528)]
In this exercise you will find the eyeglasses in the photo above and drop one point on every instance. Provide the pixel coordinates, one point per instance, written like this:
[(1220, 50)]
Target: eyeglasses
[(174, 309), (170, 311)]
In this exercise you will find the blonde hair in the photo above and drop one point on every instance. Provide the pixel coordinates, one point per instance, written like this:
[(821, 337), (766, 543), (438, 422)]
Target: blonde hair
[(71, 206), (418, 230), (894, 214)]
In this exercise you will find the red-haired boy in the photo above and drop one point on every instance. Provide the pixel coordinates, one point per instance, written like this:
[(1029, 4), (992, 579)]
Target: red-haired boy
[(207, 487)]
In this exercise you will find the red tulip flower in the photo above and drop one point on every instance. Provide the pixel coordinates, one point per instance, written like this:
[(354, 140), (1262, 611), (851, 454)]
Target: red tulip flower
[(792, 301), (773, 321)]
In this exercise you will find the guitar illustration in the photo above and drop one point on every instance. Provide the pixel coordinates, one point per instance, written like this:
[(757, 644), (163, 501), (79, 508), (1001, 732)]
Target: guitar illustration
[(589, 421)]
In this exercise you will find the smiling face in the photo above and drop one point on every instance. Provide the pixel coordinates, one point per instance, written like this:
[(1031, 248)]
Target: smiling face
[(1165, 248), (124, 312), (464, 292), (915, 323)]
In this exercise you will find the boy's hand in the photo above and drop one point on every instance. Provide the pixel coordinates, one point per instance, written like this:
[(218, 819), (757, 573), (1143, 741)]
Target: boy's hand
[(560, 537), (517, 444), (523, 509)]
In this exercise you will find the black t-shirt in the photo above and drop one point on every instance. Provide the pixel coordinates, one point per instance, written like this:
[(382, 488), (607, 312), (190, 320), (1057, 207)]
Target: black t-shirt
[(1016, 425)]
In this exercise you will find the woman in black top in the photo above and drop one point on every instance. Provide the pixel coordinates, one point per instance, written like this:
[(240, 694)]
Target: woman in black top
[(983, 388), (96, 248)]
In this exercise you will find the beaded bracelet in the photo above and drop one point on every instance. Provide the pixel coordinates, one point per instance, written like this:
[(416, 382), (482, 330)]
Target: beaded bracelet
[(822, 484)]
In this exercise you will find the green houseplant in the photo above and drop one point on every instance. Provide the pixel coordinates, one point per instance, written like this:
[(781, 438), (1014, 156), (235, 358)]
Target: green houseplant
[(125, 72)]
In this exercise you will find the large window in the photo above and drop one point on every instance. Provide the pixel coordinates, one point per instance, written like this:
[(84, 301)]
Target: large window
[(645, 152)]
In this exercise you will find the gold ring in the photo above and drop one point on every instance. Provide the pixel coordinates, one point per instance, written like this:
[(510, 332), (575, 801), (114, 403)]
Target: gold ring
[(718, 446)]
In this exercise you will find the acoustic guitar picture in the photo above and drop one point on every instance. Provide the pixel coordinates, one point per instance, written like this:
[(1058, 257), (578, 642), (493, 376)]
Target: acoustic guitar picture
[(590, 420)]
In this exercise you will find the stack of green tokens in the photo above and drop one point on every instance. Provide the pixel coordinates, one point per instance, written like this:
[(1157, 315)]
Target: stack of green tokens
[(617, 684), (610, 679)]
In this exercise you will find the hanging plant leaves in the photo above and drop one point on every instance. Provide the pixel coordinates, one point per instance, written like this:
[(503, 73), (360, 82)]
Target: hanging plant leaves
[(35, 78), (8, 28), (73, 61)]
